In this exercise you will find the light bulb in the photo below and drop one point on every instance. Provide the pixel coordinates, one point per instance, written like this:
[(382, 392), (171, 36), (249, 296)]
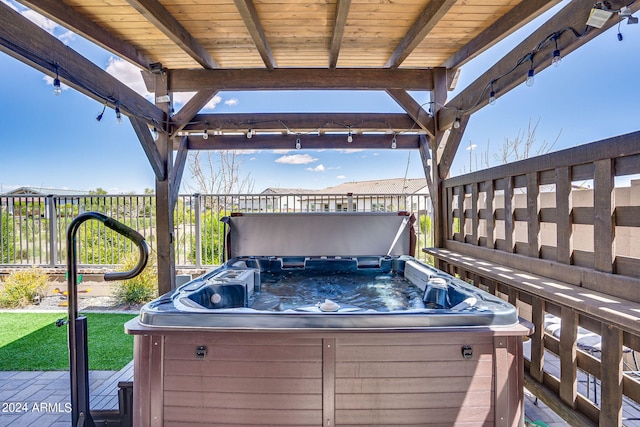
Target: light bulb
[(456, 123), (298, 144), (249, 133), (118, 116), (350, 137), (530, 77), (205, 135), (154, 134), (492, 98), (394, 142), (557, 59), (57, 90)]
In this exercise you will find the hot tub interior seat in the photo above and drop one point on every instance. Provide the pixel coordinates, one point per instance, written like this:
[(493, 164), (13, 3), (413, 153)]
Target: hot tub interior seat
[(374, 283)]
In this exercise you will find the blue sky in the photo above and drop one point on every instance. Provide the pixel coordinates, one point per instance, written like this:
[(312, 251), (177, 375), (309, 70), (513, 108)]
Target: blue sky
[(55, 141)]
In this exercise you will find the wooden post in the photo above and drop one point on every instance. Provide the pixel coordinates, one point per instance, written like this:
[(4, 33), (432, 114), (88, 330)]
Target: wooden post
[(509, 220), (611, 403), (564, 224), (604, 229), (533, 214), (536, 368), (490, 214), (474, 214), (164, 207), (568, 356), (439, 98)]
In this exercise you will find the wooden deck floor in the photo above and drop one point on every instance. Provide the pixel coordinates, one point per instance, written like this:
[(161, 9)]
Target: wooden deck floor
[(42, 398)]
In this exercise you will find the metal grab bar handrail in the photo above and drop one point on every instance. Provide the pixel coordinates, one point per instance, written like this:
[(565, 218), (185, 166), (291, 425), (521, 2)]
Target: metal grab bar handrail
[(78, 357)]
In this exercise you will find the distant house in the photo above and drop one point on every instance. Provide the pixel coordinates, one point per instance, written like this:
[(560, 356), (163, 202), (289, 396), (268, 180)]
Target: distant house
[(36, 198), (385, 195)]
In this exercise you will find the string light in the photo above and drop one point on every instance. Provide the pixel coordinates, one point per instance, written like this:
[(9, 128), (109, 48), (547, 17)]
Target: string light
[(298, 144), (99, 116), (456, 123), (350, 135), (557, 59), (154, 134), (531, 73), (118, 115), (57, 89), (249, 133), (394, 143), (205, 135)]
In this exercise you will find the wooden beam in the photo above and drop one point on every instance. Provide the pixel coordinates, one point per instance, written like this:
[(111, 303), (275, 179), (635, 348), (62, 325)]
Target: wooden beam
[(160, 17), (425, 155), (178, 169), (28, 43), (475, 96), (301, 78), (505, 25), (67, 16), (300, 122), (339, 22), (149, 146), (451, 147), (430, 16), (191, 108), (252, 21), (612, 369), (413, 109), (308, 142)]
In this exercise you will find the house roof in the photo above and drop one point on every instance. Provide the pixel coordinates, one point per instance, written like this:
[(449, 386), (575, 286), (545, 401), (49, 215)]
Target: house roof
[(378, 186), (381, 186), (44, 191)]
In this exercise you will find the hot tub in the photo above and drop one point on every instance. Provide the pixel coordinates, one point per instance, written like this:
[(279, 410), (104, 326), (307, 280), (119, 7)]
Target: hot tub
[(302, 326)]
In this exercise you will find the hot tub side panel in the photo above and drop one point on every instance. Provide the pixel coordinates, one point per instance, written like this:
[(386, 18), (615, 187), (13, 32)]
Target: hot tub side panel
[(316, 379)]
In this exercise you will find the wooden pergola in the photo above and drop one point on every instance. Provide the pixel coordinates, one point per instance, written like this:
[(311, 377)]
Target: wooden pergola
[(396, 46)]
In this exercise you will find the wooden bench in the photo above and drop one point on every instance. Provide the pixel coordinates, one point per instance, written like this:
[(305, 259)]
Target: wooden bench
[(615, 319)]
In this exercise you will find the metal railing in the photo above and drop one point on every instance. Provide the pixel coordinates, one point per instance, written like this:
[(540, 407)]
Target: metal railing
[(32, 227)]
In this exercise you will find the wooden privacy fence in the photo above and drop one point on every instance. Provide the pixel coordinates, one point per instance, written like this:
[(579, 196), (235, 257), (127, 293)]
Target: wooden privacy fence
[(559, 236)]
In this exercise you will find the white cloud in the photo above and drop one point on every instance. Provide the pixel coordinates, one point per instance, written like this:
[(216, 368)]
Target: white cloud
[(45, 23), (341, 177), (231, 102), (319, 168), (351, 150), (281, 151), (296, 159), (128, 74)]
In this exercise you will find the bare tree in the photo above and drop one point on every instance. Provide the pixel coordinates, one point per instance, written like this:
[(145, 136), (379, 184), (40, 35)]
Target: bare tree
[(523, 146), (218, 173)]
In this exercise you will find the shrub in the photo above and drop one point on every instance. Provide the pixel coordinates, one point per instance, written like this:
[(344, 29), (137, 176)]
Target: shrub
[(6, 239), (23, 287), (142, 288)]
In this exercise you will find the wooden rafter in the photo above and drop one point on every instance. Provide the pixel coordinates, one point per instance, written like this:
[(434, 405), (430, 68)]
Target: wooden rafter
[(149, 147), (288, 142), (178, 169), (476, 95), (66, 16), (428, 19), (251, 20), (505, 25), (28, 43), (339, 22), (191, 108), (301, 78), (155, 13), (413, 109), (301, 122)]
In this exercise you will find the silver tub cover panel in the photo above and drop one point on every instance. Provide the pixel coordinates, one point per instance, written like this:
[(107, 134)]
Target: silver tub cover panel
[(319, 234)]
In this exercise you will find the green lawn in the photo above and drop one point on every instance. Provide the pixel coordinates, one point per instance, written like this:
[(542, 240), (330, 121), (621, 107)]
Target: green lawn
[(32, 342)]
